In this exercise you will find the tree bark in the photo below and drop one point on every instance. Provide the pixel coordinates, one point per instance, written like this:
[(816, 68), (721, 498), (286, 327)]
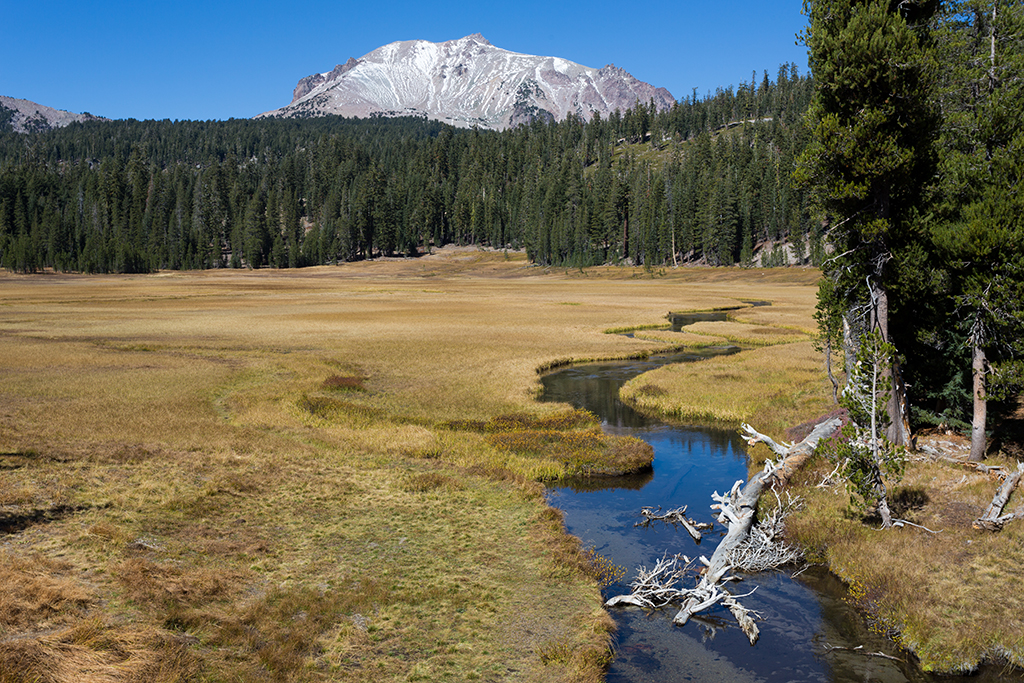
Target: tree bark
[(979, 423), (897, 431)]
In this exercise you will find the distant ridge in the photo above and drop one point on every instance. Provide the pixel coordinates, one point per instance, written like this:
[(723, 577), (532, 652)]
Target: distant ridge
[(24, 116), (467, 82)]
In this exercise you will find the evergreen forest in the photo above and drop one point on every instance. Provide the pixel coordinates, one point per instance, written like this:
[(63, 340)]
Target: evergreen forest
[(895, 166), (705, 182), (915, 163)]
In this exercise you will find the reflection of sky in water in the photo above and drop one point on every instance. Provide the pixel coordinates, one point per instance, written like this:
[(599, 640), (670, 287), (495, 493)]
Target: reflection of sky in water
[(800, 618)]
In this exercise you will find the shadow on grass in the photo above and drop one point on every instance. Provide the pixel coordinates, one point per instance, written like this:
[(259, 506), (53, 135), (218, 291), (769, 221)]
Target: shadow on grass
[(13, 522)]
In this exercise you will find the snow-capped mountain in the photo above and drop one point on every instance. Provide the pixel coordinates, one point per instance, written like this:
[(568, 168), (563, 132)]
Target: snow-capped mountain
[(24, 116), (467, 82)]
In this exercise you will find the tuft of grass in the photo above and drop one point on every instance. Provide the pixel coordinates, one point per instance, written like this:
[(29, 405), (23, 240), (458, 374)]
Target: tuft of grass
[(424, 482), (96, 651), (39, 591), (151, 583), (606, 572)]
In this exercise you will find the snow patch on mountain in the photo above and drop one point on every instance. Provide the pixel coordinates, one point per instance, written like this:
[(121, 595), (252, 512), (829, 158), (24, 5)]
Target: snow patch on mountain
[(467, 82)]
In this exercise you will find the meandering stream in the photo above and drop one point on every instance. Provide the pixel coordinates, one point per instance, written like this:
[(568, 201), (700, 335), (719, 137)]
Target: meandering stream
[(804, 619)]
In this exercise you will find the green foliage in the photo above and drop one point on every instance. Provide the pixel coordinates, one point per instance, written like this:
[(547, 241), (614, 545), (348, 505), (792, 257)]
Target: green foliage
[(867, 459), (706, 181), (871, 155), (978, 200)]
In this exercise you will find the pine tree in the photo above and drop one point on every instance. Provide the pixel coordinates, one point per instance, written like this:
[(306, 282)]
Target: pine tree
[(872, 121), (981, 183)]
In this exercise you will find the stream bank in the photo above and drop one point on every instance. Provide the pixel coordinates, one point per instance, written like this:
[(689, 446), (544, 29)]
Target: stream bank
[(810, 630)]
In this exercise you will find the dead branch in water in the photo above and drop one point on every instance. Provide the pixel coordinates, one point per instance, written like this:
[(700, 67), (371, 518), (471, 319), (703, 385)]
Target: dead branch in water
[(861, 651), (737, 509), (673, 517), (764, 549), (657, 587)]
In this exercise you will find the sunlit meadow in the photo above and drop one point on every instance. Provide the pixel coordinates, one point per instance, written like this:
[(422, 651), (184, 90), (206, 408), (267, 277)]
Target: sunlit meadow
[(337, 473)]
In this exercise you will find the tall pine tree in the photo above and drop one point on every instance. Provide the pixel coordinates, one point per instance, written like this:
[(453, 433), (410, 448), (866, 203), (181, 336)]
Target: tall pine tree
[(869, 156)]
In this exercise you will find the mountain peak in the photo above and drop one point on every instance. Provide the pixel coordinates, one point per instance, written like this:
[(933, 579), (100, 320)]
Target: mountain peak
[(467, 82), (25, 116)]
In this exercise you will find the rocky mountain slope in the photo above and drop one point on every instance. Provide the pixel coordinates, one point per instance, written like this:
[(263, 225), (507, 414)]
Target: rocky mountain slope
[(467, 82), (24, 116)]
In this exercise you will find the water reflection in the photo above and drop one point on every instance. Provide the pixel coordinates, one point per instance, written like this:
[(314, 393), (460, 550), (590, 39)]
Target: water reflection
[(803, 619), (681, 320), (595, 386)]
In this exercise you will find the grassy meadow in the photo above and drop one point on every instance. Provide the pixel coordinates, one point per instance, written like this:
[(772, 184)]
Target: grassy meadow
[(324, 474), (336, 473)]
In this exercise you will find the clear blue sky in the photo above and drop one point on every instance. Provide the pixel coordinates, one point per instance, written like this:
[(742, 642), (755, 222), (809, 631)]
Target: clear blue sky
[(213, 59)]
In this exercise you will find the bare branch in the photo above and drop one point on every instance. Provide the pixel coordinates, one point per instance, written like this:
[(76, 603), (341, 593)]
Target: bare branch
[(673, 517), (745, 546)]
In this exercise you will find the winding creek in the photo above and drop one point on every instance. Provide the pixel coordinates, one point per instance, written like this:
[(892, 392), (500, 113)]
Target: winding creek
[(804, 618)]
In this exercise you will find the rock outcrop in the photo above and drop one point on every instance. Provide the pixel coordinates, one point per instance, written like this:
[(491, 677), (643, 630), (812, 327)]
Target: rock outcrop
[(24, 116)]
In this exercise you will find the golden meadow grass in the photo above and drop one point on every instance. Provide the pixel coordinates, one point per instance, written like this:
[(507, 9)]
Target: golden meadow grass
[(318, 474), (331, 474), (952, 597), (772, 387)]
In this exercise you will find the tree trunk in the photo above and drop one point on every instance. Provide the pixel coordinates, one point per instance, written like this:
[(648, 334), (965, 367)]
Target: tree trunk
[(883, 507), (978, 424), (897, 431), (992, 519), (828, 369), (625, 238)]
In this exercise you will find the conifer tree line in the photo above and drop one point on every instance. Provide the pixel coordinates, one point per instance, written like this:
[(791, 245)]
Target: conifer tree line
[(915, 166), (707, 181)]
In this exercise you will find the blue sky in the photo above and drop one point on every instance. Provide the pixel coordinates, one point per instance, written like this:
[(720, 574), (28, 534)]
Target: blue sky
[(214, 59)]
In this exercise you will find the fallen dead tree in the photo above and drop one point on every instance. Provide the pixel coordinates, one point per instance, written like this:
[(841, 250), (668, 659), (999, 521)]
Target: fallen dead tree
[(981, 467), (764, 548), (737, 510), (993, 519), (793, 455)]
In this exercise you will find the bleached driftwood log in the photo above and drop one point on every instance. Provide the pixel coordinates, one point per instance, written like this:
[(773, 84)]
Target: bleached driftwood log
[(737, 510), (677, 516), (993, 519), (793, 456)]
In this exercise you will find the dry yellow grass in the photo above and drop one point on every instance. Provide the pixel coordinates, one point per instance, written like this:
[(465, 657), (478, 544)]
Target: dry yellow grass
[(254, 475), (275, 475), (951, 597)]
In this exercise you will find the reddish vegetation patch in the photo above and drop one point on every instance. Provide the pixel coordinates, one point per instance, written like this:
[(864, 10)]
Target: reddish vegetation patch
[(800, 431), (344, 383)]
